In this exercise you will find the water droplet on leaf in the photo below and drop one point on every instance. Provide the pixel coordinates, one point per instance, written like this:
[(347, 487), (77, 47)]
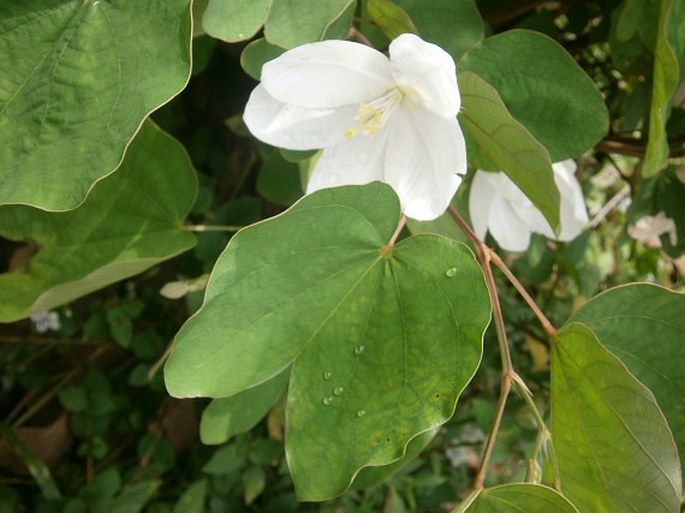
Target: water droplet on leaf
[(327, 375), (338, 390), (361, 413), (327, 401), (359, 349), (451, 272)]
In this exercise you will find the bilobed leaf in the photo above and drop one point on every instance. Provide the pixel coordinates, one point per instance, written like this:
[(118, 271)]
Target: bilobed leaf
[(294, 22), (228, 416), (520, 498), (130, 222), (382, 340), (557, 101), (644, 326), (453, 25), (78, 78), (390, 18), (614, 448), (507, 145), (669, 57), (235, 20)]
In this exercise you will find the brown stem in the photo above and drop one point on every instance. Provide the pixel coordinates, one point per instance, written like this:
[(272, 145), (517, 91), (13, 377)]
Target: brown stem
[(359, 37), (492, 436), (550, 330)]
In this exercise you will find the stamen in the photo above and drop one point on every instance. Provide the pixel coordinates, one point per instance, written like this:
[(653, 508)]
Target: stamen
[(373, 116)]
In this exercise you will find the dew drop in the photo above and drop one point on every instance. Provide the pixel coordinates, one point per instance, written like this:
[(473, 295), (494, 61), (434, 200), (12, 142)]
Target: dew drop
[(361, 413), (359, 349), (451, 272), (327, 401), (327, 375), (338, 390)]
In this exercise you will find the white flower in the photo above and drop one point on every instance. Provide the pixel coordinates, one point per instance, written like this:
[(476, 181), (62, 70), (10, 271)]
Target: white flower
[(648, 229), (498, 205), (46, 321), (376, 118)]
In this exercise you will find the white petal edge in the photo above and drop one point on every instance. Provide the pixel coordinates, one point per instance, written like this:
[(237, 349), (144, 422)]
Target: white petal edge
[(481, 196), (424, 154), (573, 213), (356, 161), (426, 73), (328, 74), (295, 128)]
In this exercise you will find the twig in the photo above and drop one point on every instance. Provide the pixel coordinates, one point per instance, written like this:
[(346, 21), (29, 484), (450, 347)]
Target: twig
[(359, 37)]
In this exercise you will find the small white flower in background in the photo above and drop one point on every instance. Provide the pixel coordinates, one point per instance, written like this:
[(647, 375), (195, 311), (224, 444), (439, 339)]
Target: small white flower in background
[(46, 321), (497, 205), (376, 118), (648, 229)]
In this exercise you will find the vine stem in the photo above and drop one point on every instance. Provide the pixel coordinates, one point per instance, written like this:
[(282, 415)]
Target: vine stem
[(510, 378), (398, 230)]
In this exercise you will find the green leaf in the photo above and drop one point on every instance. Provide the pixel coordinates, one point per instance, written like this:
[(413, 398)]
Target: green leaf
[(291, 23), (669, 56), (130, 222), (613, 445), (372, 476), (382, 340), (254, 482), (520, 498), (235, 20), (78, 78), (507, 145), (193, 499), (644, 326), (279, 180), (454, 25), (229, 416), (557, 102), (256, 54), (390, 18), (133, 498)]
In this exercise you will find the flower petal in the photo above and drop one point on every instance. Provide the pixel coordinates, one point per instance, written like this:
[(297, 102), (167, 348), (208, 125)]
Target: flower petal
[(328, 74), (481, 197), (426, 73), (509, 230), (295, 128), (573, 214), (356, 161), (424, 153)]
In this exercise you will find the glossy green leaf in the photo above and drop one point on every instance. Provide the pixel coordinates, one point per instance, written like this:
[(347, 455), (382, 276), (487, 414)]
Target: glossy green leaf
[(520, 498), (390, 18), (77, 78), (382, 340), (669, 56), (130, 222), (235, 20), (454, 25), (615, 450), (644, 326), (294, 22), (229, 416), (557, 102), (507, 145), (256, 54)]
